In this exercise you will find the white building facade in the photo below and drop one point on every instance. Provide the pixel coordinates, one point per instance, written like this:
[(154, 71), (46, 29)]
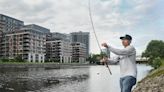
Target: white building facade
[(29, 43), (58, 48), (78, 52)]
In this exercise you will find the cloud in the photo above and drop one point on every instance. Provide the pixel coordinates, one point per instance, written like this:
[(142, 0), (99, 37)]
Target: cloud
[(112, 18)]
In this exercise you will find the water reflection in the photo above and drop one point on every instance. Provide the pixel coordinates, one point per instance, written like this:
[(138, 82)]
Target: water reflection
[(101, 81), (79, 79)]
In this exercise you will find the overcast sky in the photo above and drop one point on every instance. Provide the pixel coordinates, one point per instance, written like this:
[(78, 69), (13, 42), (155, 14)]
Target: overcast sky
[(143, 19)]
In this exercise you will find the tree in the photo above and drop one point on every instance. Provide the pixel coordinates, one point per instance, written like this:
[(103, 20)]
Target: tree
[(18, 59), (94, 58), (154, 50)]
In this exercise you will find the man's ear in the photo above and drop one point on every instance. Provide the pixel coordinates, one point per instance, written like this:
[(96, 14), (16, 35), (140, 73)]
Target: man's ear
[(130, 42)]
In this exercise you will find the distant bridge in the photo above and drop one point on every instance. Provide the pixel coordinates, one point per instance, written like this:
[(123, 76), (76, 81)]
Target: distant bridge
[(140, 59)]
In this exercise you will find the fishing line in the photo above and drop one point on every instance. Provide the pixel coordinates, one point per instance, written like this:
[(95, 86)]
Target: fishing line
[(94, 31)]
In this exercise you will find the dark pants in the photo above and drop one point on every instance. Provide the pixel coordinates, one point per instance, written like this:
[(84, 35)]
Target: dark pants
[(127, 83)]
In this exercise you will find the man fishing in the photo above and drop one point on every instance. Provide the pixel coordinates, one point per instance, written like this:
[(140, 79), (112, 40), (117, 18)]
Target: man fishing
[(127, 61)]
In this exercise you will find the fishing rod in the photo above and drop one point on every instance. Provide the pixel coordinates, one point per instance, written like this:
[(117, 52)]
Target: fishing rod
[(93, 28)]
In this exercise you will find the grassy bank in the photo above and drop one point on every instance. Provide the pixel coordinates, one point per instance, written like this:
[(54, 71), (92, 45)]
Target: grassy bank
[(51, 65), (153, 82), (156, 72)]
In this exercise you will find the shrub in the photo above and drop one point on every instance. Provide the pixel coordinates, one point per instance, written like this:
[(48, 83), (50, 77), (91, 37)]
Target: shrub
[(4, 60), (157, 62)]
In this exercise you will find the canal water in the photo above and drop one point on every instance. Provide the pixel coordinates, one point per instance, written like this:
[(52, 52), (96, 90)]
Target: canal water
[(75, 79)]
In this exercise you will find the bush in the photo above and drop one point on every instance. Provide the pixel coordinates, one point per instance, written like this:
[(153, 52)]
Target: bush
[(157, 62), (4, 60), (18, 59)]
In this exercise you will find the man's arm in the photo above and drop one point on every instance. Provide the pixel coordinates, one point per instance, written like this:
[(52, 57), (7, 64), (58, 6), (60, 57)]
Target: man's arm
[(114, 60), (123, 52)]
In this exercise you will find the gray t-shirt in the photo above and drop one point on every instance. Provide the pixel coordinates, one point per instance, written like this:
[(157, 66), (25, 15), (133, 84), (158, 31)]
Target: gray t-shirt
[(127, 60)]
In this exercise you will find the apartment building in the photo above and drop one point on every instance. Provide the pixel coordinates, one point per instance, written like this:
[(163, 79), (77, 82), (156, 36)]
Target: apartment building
[(58, 48), (9, 24), (82, 37), (0, 42), (34, 43), (78, 52), (29, 42)]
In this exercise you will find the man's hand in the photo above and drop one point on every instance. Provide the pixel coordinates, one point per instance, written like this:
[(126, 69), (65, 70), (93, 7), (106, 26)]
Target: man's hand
[(104, 60), (104, 45)]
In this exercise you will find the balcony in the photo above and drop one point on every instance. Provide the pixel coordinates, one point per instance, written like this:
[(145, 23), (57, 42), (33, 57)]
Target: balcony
[(26, 37), (26, 41), (26, 48), (26, 44)]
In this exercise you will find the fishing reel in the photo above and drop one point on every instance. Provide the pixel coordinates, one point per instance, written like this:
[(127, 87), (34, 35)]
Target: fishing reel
[(105, 53)]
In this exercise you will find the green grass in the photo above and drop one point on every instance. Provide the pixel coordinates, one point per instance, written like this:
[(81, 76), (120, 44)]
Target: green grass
[(155, 72), (18, 63), (162, 63)]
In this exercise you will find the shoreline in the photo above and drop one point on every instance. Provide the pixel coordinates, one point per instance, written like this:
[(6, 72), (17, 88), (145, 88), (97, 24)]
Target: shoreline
[(153, 82), (43, 65), (46, 65)]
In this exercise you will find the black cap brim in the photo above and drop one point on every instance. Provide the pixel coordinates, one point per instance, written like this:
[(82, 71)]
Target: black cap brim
[(122, 38), (128, 37)]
